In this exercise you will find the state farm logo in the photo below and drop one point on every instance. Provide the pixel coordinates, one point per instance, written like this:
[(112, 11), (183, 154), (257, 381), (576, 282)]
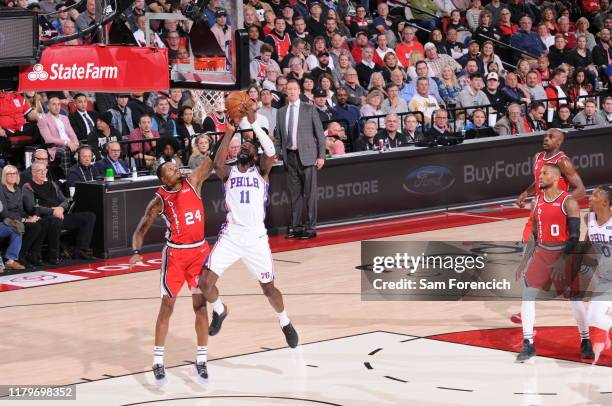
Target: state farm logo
[(38, 73), (59, 71)]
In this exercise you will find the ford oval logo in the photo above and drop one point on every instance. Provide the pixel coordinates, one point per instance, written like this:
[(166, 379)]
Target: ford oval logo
[(428, 180)]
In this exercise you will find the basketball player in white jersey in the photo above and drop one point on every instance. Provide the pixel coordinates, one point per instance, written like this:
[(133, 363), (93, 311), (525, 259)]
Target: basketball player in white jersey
[(244, 234), (599, 233)]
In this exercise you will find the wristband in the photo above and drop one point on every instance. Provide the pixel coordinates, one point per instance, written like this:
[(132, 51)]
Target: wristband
[(136, 252)]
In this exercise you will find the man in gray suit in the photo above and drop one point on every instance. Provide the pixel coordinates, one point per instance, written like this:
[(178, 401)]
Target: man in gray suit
[(300, 140)]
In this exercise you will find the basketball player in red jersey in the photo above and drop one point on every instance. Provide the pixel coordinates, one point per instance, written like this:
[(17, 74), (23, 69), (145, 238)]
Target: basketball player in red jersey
[(179, 202), (569, 177), (556, 220)]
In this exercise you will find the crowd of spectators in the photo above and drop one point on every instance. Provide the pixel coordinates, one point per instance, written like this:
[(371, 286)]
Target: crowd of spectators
[(380, 74)]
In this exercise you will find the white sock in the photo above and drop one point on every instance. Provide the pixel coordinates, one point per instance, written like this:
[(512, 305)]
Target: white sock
[(201, 354), (528, 319), (282, 318), (598, 315), (579, 309), (158, 355), (218, 306)]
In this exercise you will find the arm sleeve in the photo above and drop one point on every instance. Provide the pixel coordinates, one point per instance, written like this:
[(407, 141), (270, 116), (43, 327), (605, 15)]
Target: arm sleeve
[(264, 139)]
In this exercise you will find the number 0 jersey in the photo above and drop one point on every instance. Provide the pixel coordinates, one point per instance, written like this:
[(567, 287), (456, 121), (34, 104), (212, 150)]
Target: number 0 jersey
[(552, 220), (183, 211), (246, 198)]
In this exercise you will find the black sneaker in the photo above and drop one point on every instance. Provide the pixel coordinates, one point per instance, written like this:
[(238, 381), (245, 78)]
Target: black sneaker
[(217, 321), (160, 374), (290, 335), (202, 372), (586, 349), (527, 352)]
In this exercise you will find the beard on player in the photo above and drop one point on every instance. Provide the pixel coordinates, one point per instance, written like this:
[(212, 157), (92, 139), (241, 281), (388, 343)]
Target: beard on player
[(248, 154)]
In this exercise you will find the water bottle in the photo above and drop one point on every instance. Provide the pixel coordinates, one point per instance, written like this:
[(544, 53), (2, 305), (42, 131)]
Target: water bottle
[(36, 207), (381, 145), (463, 133), (134, 172)]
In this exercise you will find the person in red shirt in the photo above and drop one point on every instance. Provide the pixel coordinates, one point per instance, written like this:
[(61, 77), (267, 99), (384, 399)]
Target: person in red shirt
[(564, 29), (179, 202), (556, 217), (409, 45), (17, 122)]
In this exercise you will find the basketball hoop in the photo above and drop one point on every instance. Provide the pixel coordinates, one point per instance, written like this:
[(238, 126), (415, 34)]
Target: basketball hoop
[(204, 102)]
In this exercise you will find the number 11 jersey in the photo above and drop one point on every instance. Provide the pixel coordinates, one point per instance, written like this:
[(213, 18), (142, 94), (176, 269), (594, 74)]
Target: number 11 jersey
[(246, 198)]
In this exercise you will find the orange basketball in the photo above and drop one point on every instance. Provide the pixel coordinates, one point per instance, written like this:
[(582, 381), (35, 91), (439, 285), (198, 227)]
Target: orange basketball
[(235, 103)]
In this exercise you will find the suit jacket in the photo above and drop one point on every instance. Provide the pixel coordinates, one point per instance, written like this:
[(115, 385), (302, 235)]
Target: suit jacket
[(78, 124), (50, 133), (310, 138), (102, 165), (502, 127)]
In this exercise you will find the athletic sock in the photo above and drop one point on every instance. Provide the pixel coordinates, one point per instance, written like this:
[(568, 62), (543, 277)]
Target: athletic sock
[(218, 306), (158, 355), (528, 319), (201, 354), (282, 318), (580, 314)]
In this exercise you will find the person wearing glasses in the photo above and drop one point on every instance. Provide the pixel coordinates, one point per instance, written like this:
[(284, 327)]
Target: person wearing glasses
[(113, 160), (39, 155), (43, 197), (26, 232)]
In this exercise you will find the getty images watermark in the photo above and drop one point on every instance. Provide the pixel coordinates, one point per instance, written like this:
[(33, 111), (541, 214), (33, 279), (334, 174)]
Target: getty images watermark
[(440, 270), (437, 270)]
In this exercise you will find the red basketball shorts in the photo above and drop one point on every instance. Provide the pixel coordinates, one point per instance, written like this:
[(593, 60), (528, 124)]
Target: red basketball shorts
[(180, 265)]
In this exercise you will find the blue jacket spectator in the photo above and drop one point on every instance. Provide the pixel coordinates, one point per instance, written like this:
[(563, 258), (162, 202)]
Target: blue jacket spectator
[(409, 90), (527, 40)]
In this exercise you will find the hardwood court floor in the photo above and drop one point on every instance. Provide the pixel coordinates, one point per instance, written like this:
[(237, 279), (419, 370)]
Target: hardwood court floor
[(101, 329)]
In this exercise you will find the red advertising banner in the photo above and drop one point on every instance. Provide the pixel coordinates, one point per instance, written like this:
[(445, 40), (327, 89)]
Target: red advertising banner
[(98, 68)]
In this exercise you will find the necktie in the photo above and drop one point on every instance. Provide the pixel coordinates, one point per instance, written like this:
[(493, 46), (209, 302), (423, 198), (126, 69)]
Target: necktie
[(88, 122), (118, 169), (290, 127)]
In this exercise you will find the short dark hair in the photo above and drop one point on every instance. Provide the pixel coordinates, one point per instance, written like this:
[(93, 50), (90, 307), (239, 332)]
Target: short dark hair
[(536, 105), (558, 71), (266, 48), (160, 169), (475, 75)]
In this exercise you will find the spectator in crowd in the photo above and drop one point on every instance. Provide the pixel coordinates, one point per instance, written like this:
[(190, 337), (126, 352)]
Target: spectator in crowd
[(564, 30), (454, 21), (300, 31), (477, 127), (52, 208), (31, 230), (254, 43), (40, 155), (315, 23), (383, 23), (439, 132), (17, 121), (547, 19), (506, 26), (343, 110), (487, 28), (88, 17), (606, 112), (422, 71), (423, 101), (495, 7), (103, 133), (308, 86), (11, 229), (366, 67), (210, 12), (221, 30), (391, 134), (526, 40), (579, 88), (167, 149), (590, 115), (580, 57), (215, 120), (598, 18), (472, 54), (112, 160), (536, 91), (511, 123), (334, 137), (409, 45), (338, 48), (545, 36), (322, 107), (412, 130), (563, 117), (471, 66), (326, 82), (286, 10), (137, 9), (558, 53), (514, 91), (437, 61), (555, 88), (177, 101), (138, 106), (200, 149), (83, 170), (266, 108), (234, 148), (361, 42), (382, 49), (472, 15), (301, 144), (534, 119), (393, 103), (449, 86), (143, 152), (543, 71), (81, 120), (488, 55), (139, 34), (122, 119), (296, 70), (356, 92), (452, 46), (366, 142), (279, 39), (602, 51), (373, 104), (56, 130), (60, 17), (472, 95), (279, 93), (298, 47), (162, 122), (186, 127), (423, 11), (359, 23)]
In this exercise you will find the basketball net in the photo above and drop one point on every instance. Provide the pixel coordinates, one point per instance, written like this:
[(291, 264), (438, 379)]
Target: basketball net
[(204, 102)]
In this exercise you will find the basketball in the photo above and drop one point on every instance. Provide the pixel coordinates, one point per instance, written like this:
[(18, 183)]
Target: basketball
[(236, 103)]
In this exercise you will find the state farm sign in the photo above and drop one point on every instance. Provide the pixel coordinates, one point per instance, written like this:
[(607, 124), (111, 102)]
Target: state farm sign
[(98, 68)]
